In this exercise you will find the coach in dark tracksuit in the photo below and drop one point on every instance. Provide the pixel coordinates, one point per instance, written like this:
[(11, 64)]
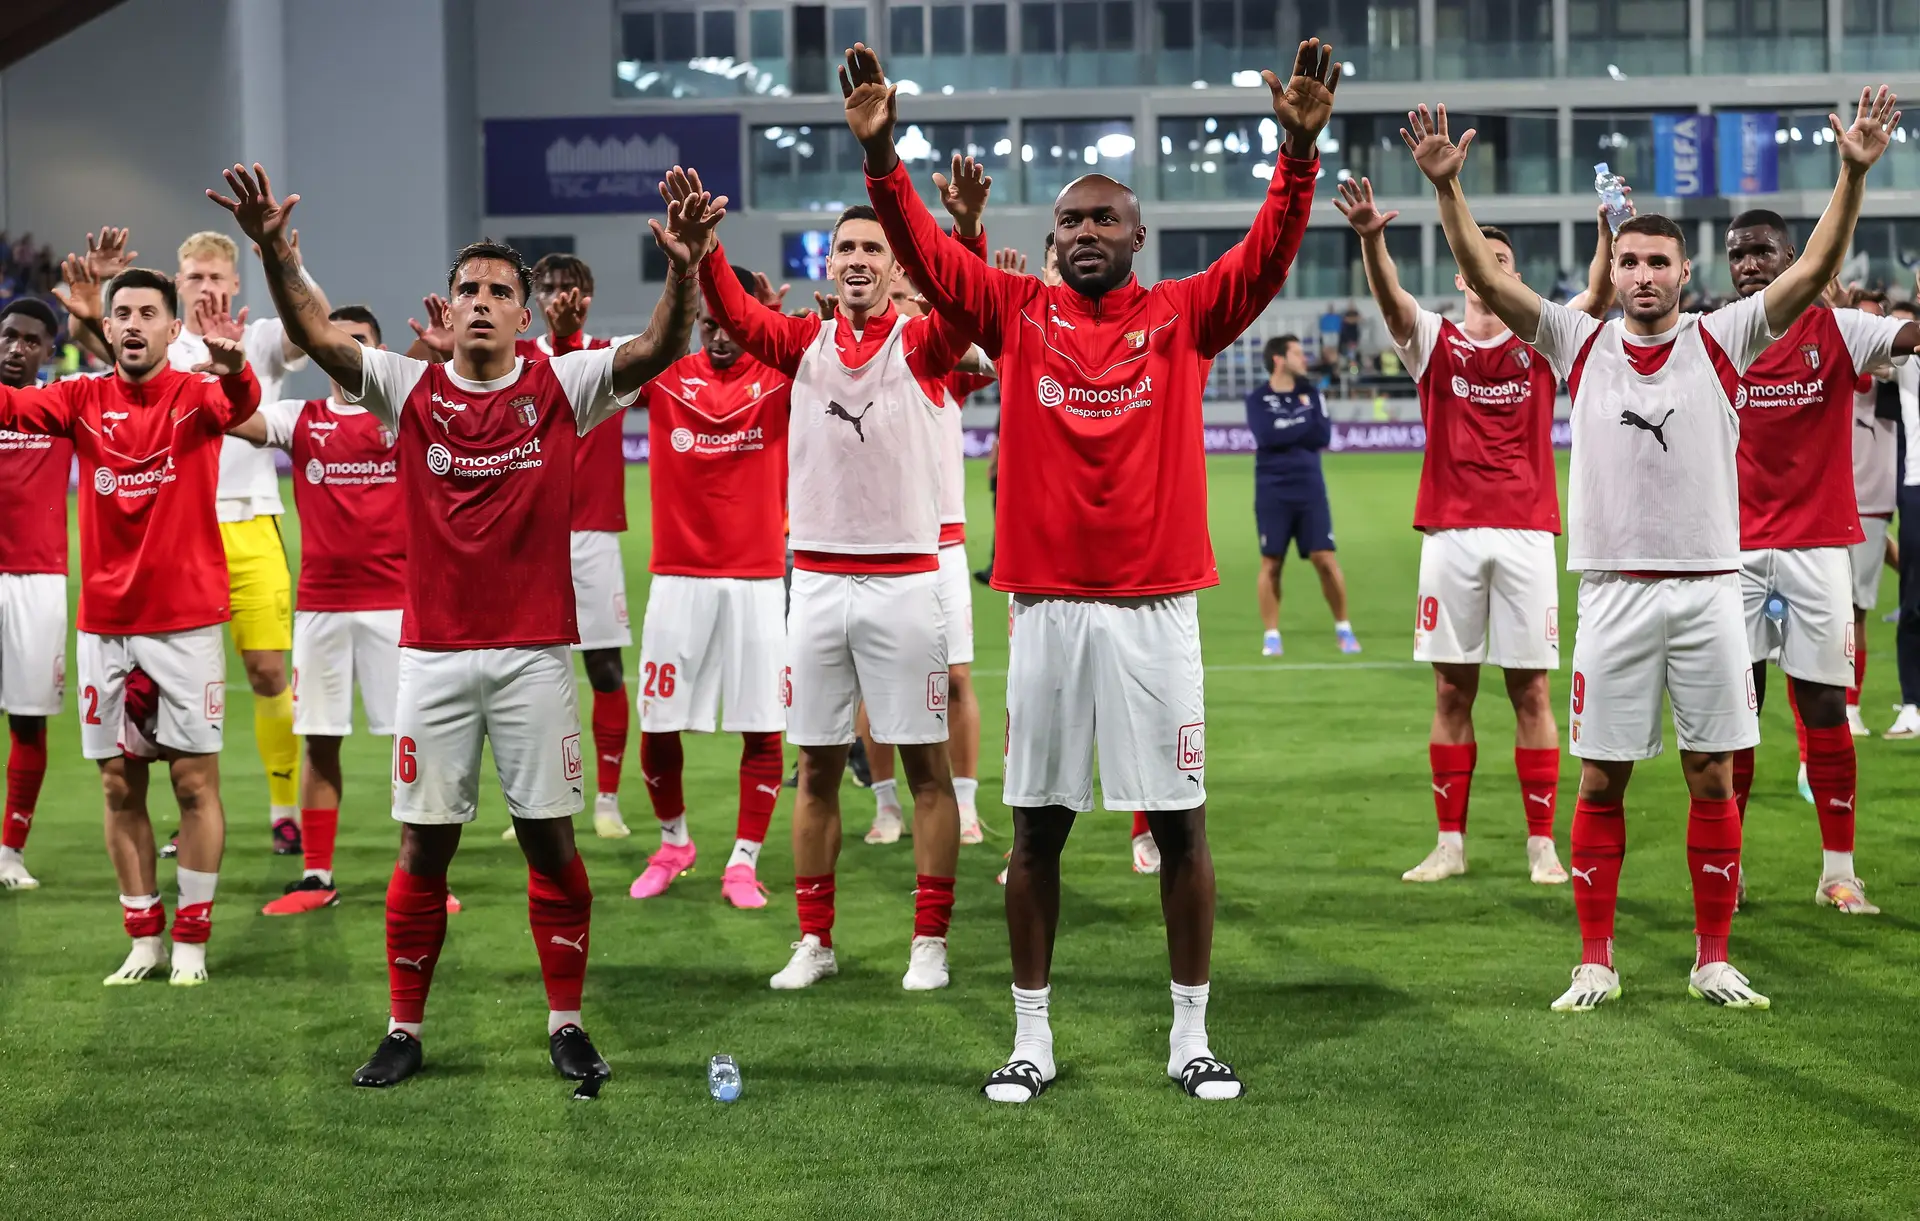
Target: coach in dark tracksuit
[(1290, 427)]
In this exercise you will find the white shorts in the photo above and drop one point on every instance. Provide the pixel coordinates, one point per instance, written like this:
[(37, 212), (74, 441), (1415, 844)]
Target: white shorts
[(520, 700), (1125, 674), (1638, 638), (1869, 561), (956, 603), (709, 643), (599, 591), (333, 650), (1814, 640), (33, 643), (882, 639), (1488, 596), (190, 669)]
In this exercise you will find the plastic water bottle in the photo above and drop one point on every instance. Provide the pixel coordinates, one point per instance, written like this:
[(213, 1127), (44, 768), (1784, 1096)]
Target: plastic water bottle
[(1775, 607), (1609, 187), (723, 1079)]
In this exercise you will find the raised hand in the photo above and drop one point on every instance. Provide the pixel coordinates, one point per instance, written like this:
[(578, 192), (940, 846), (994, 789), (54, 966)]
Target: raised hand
[(1010, 261), (1872, 130), (568, 311), (1434, 151), (260, 216), (766, 294), (108, 256), (870, 102), (1304, 103), (1841, 296), (965, 193), (212, 317), (692, 214), (825, 305), (438, 333), (1355, 202), (79, 290), (225, 356)]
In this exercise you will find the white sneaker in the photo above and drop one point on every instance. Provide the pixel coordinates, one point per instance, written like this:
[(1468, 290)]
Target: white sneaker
[(1445, 861), (971, 832), (926, 965), (147, 956), (1855, 724), (189, 965), (1593, 985), (1146, 854), (607, 823), (811, 963), (1720, 983), (14, 875), (1543, 861), (1847, 894), (886, 827), (1906, 725)]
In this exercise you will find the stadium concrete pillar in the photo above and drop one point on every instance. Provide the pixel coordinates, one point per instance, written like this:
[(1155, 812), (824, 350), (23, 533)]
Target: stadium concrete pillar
[(258, 69), (1696, 36), (1836, 33), (1426, 12), (1560, 39)]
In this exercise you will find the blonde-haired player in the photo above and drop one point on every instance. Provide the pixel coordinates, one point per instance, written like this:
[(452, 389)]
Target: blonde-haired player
[(248, 506)]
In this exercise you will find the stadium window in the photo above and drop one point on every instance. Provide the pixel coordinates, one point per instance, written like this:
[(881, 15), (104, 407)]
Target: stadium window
[(1765, 36), (534, 247), (1380, 39), (926, 147), (653, 260), (1635, 37), (1217, 156), (906, 30), (989, 29), (1478, 39), (718, 34), (810, 60), (1080, 25), (1624, 140), (639, 38), (1058, 151), (1188, 252), (849, 26), (767, 34), (1118, 21), (1039, 28), (806, 168), (679, 37), (949, 36), (1259, 27), (1174, 24)]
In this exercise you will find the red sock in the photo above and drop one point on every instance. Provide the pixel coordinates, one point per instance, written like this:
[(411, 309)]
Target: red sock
[(661, 761), (610, 721), (318, 830), (1832, 775), (1799, 726), (1599, 843), (416, 929), (1539, 786), (1452, 779), (760, 764), (193, 923), (144, 921), (1859, 671), (1713, 859), (932, 905), (560, 909), (26, 768), (1140, 826), (1742, 779), (815, 898)]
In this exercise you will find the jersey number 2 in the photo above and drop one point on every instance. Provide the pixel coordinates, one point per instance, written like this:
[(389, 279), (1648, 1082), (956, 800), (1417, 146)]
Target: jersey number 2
[(92, 696)]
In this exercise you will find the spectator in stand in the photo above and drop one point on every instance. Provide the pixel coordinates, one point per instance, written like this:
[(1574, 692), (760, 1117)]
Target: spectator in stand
[(1330, 327)]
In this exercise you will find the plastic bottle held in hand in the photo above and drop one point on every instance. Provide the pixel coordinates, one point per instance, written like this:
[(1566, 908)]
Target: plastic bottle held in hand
[(1610, 187), (723, 1079)]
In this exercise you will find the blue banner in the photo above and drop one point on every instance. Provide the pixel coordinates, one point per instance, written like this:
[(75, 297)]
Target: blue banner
[(537, 167), (1749, 152), (1683, 155)]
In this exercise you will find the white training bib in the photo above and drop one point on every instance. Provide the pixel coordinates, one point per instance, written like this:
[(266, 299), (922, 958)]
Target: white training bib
[(863, 454)]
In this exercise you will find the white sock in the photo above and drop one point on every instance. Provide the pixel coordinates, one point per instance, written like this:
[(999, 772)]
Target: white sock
[(195, 886), (139, 903), (325, 876), (290, 813), (745, 852), (10, 856), (1456, 839), (1189, 1037), (412, 1028), (673, 832), (1836, 864), (556, 1018), (1343, 625), (965, 789), (190, 957), (1033, 1035), (606, 803), (886, 796)]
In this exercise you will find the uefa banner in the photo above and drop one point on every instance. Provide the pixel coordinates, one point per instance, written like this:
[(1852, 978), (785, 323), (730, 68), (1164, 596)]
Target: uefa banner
[(543, 167)]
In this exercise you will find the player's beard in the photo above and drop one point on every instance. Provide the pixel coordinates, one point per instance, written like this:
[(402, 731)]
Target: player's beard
[(1650, 309)]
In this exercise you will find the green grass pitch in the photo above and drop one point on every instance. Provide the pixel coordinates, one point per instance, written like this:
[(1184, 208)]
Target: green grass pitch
[(1400, 1055)]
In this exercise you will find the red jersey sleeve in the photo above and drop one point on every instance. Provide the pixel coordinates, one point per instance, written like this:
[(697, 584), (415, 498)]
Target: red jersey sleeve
[(959, 286), (975, 245), (44, 410), (769, 336), (933, 346), (232, 399), (1227, 297)]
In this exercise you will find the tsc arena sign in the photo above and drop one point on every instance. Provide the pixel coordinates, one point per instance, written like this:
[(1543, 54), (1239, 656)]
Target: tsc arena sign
[(544, 167)]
